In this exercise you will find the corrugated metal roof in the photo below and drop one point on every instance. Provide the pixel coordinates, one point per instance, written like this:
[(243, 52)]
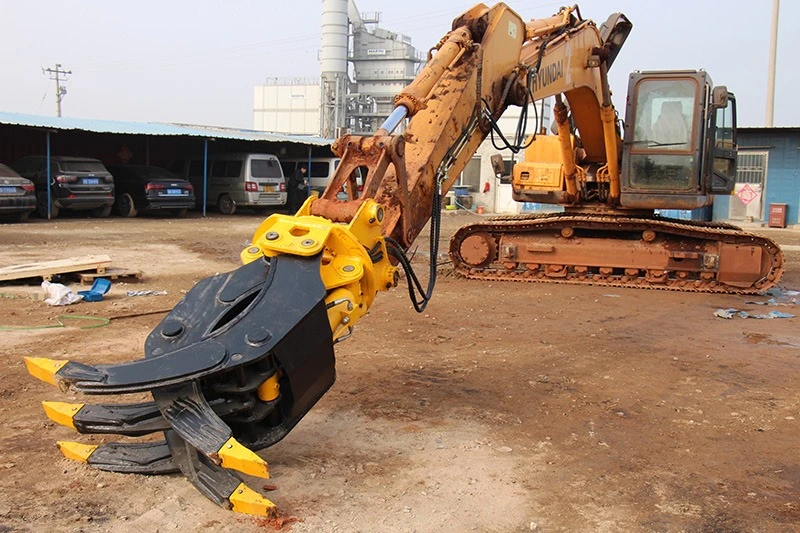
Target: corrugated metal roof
[(764, 128), (154, 128)]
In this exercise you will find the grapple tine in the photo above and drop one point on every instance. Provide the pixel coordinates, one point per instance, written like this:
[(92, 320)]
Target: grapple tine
[(215, 482), (189, 414), (131, 420), (150, 458)]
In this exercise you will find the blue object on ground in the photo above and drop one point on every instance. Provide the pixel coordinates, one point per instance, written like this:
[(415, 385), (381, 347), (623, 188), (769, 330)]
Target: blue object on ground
[(730, 313), (95, 294)]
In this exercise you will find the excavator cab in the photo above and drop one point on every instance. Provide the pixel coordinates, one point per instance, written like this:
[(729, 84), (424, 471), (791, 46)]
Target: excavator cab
[(680, 141)]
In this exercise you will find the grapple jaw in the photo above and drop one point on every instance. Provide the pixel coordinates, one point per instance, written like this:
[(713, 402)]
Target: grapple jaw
[(232, 368), (237, 363)]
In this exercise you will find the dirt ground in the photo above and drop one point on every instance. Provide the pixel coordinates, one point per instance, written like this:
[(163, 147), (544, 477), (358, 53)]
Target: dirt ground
[(504, 407)]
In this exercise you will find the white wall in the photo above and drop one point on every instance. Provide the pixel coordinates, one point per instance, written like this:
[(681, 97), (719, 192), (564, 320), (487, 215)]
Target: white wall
[(287, 108)]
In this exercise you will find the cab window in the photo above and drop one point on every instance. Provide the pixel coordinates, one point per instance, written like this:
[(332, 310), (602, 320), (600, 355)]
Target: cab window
[(664, 135)]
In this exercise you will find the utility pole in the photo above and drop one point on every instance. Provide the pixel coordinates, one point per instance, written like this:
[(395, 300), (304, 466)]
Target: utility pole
[(55, 74), (773, 52)]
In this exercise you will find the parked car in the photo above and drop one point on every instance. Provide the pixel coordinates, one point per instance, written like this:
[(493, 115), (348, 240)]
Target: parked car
[(236, 180), (148, 188), (17, 195), (78, 183)]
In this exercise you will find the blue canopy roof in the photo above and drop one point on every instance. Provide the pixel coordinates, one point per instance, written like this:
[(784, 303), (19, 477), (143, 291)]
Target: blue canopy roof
[(154, 128)]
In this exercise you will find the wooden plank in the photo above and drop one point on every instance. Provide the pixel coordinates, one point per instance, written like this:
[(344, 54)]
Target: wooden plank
[(111, 273), (47, 269)]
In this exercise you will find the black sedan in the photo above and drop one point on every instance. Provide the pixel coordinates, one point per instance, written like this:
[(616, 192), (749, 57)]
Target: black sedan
[(17, 195), (147, 188)]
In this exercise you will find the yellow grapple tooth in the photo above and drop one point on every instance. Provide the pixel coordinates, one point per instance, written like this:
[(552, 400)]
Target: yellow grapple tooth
[(238, 457), (76, 451), (43, 368), (246, 500), (62, 412)]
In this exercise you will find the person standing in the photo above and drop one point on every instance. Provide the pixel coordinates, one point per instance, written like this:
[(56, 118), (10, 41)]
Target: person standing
[(297, 189)]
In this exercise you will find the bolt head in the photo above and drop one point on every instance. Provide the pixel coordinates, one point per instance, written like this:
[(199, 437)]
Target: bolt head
[(308, 243), (272, 235), (253, 250), (348, 268)]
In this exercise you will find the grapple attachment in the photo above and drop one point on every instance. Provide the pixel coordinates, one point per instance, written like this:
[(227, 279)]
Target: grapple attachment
[(236, 364), (246, 353)]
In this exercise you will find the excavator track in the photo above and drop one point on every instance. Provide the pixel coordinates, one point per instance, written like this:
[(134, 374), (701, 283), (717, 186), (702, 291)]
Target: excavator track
[(618, 251)]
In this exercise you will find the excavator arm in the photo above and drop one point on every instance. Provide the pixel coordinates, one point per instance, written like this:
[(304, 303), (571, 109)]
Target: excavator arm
[(244, 355)]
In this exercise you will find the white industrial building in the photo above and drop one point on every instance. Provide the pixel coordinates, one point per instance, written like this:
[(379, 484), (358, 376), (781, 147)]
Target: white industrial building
[(288, 105)]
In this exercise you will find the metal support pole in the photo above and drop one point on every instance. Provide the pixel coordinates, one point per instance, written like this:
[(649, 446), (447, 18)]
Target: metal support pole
[(773, 53), (48, 175), (308, 177), (205, 174)]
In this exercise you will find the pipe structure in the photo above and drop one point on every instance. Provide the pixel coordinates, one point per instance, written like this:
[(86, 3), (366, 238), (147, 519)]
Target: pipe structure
[(773, 53), (414, 96), (565, 142), (205, 175), (48, 176), (392, 121)]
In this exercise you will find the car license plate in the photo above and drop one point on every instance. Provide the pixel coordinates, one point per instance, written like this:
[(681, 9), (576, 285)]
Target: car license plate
[(269, 188), (8, 189), (91, 181), (174, 191)]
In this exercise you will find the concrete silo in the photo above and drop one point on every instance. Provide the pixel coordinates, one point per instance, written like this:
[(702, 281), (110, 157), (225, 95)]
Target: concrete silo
[(333, 67)]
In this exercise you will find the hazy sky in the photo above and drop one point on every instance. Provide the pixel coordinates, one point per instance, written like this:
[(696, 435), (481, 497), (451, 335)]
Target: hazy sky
[(198, 61)]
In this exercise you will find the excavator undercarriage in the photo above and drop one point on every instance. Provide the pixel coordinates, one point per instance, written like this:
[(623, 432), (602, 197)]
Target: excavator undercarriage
[(620, 251)]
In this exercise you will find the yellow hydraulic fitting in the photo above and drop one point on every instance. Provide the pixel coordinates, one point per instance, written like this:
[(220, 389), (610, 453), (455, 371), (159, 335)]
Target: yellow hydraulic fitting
[(270, 389)]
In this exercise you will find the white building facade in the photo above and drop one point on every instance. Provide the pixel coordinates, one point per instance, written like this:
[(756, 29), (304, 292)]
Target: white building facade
[(288, 105)]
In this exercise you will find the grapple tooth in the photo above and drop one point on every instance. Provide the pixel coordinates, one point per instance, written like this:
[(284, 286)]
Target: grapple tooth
[(62, 413), (238, 457), (43, 368), (247, 501), (76, 450)]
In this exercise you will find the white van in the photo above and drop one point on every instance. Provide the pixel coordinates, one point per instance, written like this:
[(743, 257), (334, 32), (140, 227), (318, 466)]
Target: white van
[(236, 180), (320, 173)]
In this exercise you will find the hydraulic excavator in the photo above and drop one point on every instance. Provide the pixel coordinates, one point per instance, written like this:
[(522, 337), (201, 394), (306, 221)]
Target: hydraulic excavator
[(245, 355), (677, 152)]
